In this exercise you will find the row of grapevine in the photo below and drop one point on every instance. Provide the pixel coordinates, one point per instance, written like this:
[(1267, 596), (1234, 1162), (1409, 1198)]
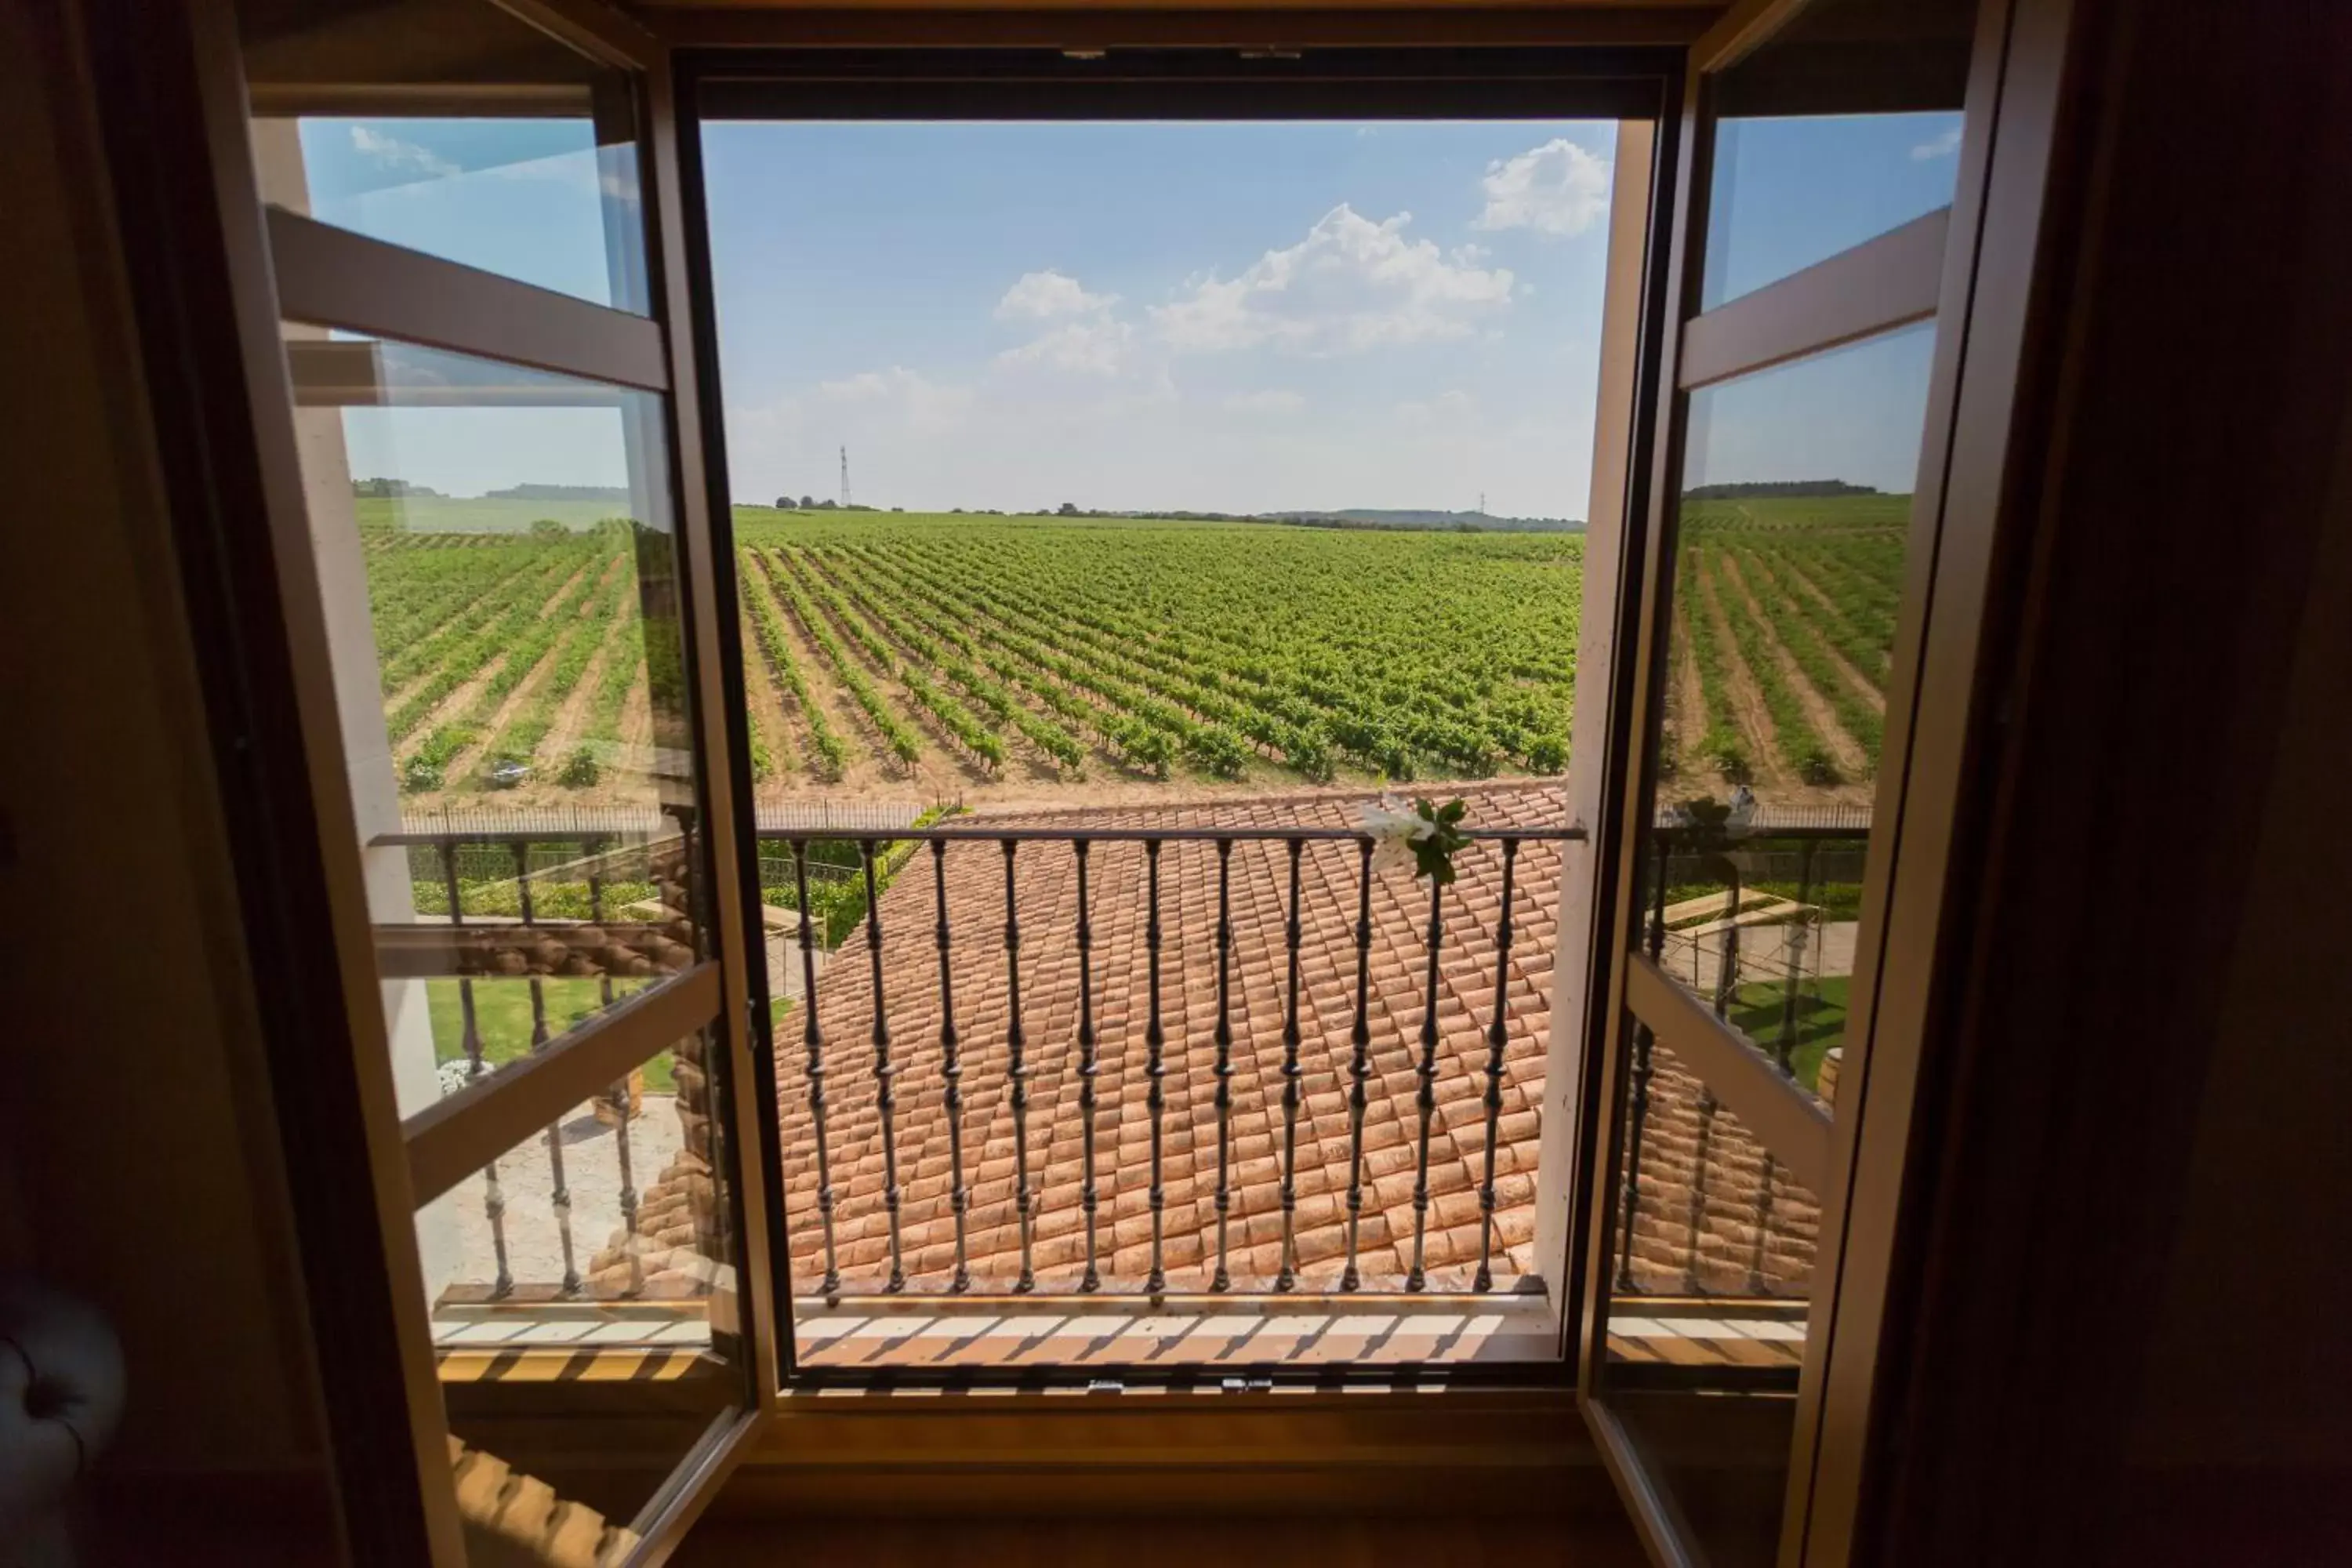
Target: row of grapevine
[(519, 642), (1718, 742), (519, 740), (1837, 680), (1799, 746), (1132, 726), (1393, 704), (896, 733), (951, 655), (830, 752), (951, 716)]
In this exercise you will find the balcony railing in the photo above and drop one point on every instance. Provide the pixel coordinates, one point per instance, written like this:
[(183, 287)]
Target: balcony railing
[(1026, 1059)]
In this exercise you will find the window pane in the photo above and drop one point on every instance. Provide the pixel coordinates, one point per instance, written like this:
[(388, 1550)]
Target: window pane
[(499, 574), (1709, 1276), (581, 1271), (1843, 125), (1787, 576), (453, 128)]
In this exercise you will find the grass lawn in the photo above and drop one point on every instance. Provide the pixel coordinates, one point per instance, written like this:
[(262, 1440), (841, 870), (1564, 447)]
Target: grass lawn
[(1758, 1008), (502, 1014)]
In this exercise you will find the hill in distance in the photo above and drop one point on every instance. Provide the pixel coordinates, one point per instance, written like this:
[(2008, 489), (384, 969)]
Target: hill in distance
[(1409, 518), (1395, 519), (1765, 490)]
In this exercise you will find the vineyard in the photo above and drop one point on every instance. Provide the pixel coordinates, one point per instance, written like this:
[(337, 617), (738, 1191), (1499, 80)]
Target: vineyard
[(950, 656), (1784, 628)]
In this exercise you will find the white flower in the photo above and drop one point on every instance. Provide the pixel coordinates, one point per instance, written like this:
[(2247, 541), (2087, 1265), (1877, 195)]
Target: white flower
[(454, 1075), (1394, 828)]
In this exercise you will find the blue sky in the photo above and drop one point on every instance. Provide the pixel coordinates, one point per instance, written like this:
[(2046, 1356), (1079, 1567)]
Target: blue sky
[(1230, 317), (1209, 316)]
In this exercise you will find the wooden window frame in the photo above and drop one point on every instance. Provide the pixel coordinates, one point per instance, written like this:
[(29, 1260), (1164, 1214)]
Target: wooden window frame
[(226, 271), (1961, 266), (1179, 81)]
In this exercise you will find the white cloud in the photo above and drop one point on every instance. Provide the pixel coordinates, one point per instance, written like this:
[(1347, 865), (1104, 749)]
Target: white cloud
[(1557, 188), (1351, 284), (407, 157), (1087, 337), (1274, 400), (923, 403), (1085, 348), (1450, 407), (1942, 146), (1047, 295)]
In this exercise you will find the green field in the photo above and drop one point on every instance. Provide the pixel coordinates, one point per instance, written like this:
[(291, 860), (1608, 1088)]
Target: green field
[(882, 645), (1784, 626), (1760, 1011), (960, 651)]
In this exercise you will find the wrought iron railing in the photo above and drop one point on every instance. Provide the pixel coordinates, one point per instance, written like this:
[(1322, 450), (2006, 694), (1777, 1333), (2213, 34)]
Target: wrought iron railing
[(519, 872), (554, 913), (501, 870), (1079, 845), (1810, 852)]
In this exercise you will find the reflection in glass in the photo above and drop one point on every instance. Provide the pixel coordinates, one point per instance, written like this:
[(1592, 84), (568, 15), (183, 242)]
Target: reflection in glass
[(1789, 566), (519, 157), (583, 1295), (499, 575), (1762, 926), (1842, 126), (1711, 1269)]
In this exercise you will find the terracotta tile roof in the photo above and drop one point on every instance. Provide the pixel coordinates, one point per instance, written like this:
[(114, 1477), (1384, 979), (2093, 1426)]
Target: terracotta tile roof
[(1747, 1228), (1047, 904), (1706, 1191)]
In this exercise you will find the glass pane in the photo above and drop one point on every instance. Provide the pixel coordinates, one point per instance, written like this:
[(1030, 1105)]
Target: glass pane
[(453, 128), (499, 576), (583, 1292), (1762, 926), (1789, 571), (1218, 475), (1843, 125), (1711, 1269)]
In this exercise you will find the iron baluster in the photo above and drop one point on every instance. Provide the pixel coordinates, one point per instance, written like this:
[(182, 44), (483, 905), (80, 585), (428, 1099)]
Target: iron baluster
[(1088, 1066), (884, 1103), (1763, 1225), (1359, 1065), (1708, 1106), (494, 1197), (1017, 1071), (1427, 1098), (620, 1091), (1290, 1086), (1727, 973), (597, 848), (950, 1071), (559, 1198), (1638, 1112), (812, 1039), (1497, 1035), (1223, 1281), (1153, 1040), (1798, 938)]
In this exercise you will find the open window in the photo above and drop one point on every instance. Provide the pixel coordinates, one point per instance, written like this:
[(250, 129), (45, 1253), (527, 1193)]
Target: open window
[(1139, 465), (739, 1004)]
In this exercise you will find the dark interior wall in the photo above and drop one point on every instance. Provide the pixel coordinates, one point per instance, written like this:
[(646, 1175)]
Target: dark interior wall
[(2125, 1344), (2250, 1364), (136, 1120)]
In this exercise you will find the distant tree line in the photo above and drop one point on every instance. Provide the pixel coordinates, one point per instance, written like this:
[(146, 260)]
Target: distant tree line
[(389, 489), (1757, 489), (1366, 519), (810, 503), (558, 492)]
